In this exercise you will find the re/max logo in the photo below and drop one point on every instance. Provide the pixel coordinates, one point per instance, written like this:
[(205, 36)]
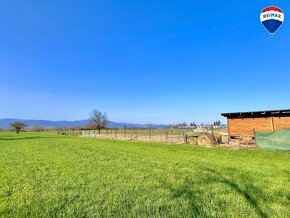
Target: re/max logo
[(272, 15)]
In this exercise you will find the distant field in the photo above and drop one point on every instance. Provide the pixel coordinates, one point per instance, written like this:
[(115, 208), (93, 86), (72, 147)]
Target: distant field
[(47, 175)]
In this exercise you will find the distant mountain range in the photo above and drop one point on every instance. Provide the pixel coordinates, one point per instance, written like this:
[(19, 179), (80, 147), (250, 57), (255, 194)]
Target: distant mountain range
[(5, 123)]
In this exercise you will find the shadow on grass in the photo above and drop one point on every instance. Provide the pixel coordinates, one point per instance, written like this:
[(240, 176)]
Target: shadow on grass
[(197, 190), (246, 189), (16, 138), (194, 196)]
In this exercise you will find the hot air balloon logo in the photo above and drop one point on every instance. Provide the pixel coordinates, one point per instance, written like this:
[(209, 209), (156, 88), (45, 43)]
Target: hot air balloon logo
[(272, 18)]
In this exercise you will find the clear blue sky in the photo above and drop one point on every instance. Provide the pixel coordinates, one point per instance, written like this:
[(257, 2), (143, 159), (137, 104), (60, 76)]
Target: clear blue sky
[(140, 61)]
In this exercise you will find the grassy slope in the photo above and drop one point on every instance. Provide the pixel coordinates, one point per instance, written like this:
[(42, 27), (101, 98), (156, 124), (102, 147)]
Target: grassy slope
[(48, 175)]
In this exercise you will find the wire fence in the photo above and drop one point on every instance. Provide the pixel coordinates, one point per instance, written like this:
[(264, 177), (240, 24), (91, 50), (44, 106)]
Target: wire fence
[(154, 135)]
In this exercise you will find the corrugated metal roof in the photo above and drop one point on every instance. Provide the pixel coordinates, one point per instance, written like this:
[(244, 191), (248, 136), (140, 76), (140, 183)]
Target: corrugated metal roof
[(257, 113)]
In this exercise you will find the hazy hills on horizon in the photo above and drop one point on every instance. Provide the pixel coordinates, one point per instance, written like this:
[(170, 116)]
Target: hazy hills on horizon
[(5, 123)]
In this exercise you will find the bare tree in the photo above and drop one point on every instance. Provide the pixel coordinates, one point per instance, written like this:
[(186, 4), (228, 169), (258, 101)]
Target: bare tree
[(18, 126), (99, 120), (91, 125)]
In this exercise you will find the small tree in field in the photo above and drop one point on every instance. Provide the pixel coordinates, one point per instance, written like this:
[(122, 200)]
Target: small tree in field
[(18, 126), (193, 125), (99, 120), (217, 124)]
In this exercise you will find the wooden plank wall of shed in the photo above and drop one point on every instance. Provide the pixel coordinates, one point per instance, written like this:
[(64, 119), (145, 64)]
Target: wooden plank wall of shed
[(246, 126)]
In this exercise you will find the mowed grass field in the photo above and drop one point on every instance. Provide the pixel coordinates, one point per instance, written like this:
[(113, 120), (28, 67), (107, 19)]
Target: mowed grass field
[(47, 175)]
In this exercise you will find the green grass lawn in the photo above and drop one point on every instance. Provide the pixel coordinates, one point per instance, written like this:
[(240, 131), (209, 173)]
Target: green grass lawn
[(46, 175)]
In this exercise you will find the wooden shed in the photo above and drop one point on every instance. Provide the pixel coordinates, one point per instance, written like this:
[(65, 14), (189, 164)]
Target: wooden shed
[(242, 125)]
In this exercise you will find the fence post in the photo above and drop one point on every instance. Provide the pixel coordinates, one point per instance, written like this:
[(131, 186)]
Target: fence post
[(149, 134), (125, 133), (166, 135), (115, 133), (136, 133), (254, 130)]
